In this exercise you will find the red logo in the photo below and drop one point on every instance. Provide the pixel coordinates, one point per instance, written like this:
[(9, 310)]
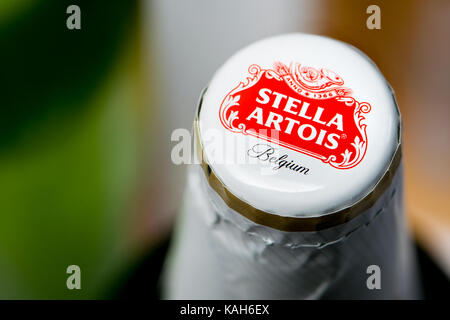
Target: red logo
[(310, 110)]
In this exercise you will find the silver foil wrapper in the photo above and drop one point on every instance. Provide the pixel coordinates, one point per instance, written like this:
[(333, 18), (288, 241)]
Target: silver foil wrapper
[(219, 254)]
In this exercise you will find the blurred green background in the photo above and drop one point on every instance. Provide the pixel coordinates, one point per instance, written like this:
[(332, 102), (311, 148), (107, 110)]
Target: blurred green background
[(71, 122)]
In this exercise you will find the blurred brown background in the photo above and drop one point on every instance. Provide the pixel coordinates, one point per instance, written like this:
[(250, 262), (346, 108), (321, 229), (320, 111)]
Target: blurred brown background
[(412, 50)]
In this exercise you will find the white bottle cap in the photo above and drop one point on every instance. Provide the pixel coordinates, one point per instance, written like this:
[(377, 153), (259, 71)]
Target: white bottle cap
[(298, 126)]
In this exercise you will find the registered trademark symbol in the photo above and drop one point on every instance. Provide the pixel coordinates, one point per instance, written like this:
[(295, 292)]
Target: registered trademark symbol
[(343, 136)]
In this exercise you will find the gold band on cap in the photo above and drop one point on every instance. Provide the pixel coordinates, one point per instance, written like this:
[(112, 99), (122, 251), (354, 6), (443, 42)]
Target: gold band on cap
[(293, 224)]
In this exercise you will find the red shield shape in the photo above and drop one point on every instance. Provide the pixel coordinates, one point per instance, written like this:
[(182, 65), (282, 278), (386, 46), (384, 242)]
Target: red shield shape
[(309, 109)]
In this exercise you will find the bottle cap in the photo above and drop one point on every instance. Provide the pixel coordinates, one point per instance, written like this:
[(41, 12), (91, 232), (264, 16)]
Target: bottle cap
[(299, 132)]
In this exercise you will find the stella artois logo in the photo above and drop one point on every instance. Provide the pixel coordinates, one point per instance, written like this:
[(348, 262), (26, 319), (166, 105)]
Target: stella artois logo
[(310, 109)]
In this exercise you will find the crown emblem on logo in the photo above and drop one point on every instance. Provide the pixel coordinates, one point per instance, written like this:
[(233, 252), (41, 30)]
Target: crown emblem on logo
[(310, 109)]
